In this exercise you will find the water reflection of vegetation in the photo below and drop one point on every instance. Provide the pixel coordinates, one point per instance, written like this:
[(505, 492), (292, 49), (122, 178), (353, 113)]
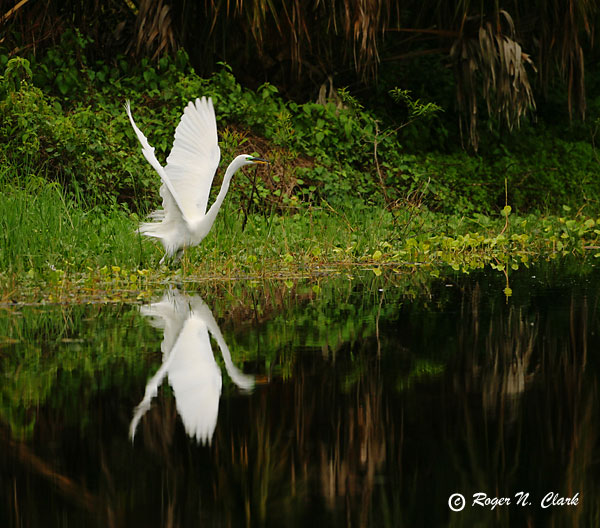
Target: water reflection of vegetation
[(347, 433), (75, 344), (530, 393), (53, 353)]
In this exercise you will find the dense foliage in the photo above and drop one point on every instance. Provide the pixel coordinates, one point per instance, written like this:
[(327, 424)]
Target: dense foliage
[(503, 57), (347, 184), (64, 121)]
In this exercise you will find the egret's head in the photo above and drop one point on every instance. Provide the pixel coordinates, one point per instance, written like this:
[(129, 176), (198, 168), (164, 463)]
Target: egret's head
[(242, 160)]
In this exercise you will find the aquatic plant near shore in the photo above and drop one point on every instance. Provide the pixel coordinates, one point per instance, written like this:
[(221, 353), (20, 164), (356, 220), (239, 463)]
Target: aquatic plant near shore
[(52, 246)]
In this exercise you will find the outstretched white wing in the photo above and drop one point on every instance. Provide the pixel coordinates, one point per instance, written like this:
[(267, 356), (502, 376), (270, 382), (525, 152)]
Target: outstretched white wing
[(195, 156), (193, 160), (169, 315), (196, 380), (148, 153)]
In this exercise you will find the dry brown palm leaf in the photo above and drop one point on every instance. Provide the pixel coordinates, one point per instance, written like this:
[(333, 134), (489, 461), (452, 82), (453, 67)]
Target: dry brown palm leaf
[(561, 30), (365, 25), (154, 30), (309, 31), (490, 61)]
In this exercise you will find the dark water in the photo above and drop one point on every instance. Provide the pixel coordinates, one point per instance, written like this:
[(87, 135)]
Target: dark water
[(344, 403)]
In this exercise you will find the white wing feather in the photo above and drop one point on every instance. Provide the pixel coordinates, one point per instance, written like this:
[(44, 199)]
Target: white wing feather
[(193, 160), (189, 363), (148, 153), (196, 380), (195, 156)]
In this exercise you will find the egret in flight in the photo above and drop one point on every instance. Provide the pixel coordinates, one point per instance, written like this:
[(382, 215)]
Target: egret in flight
[(187, 178)]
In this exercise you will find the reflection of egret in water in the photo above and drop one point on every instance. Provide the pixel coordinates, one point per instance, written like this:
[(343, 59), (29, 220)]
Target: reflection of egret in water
[(189, 363)]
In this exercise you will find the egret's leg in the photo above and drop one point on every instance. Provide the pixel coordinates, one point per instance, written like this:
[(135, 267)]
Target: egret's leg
[(172, 261)]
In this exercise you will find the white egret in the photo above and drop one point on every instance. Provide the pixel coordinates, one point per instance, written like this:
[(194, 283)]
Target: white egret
[(187, 178), (189, 363)]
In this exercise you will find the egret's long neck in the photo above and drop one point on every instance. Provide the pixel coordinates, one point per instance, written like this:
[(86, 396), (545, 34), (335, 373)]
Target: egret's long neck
[(231, 170)]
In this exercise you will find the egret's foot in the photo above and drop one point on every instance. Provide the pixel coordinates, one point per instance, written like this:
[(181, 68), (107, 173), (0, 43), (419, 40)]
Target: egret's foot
[(171, 261)]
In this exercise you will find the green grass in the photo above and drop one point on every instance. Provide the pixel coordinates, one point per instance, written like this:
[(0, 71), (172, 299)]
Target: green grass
[(42, 230), (75, 186), (53, 246)]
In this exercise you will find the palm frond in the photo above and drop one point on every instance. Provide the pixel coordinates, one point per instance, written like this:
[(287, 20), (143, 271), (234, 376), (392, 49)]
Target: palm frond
[(154, 33), (488, 60)]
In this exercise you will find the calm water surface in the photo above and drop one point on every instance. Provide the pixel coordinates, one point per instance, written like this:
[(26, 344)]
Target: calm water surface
[(347, 403)]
